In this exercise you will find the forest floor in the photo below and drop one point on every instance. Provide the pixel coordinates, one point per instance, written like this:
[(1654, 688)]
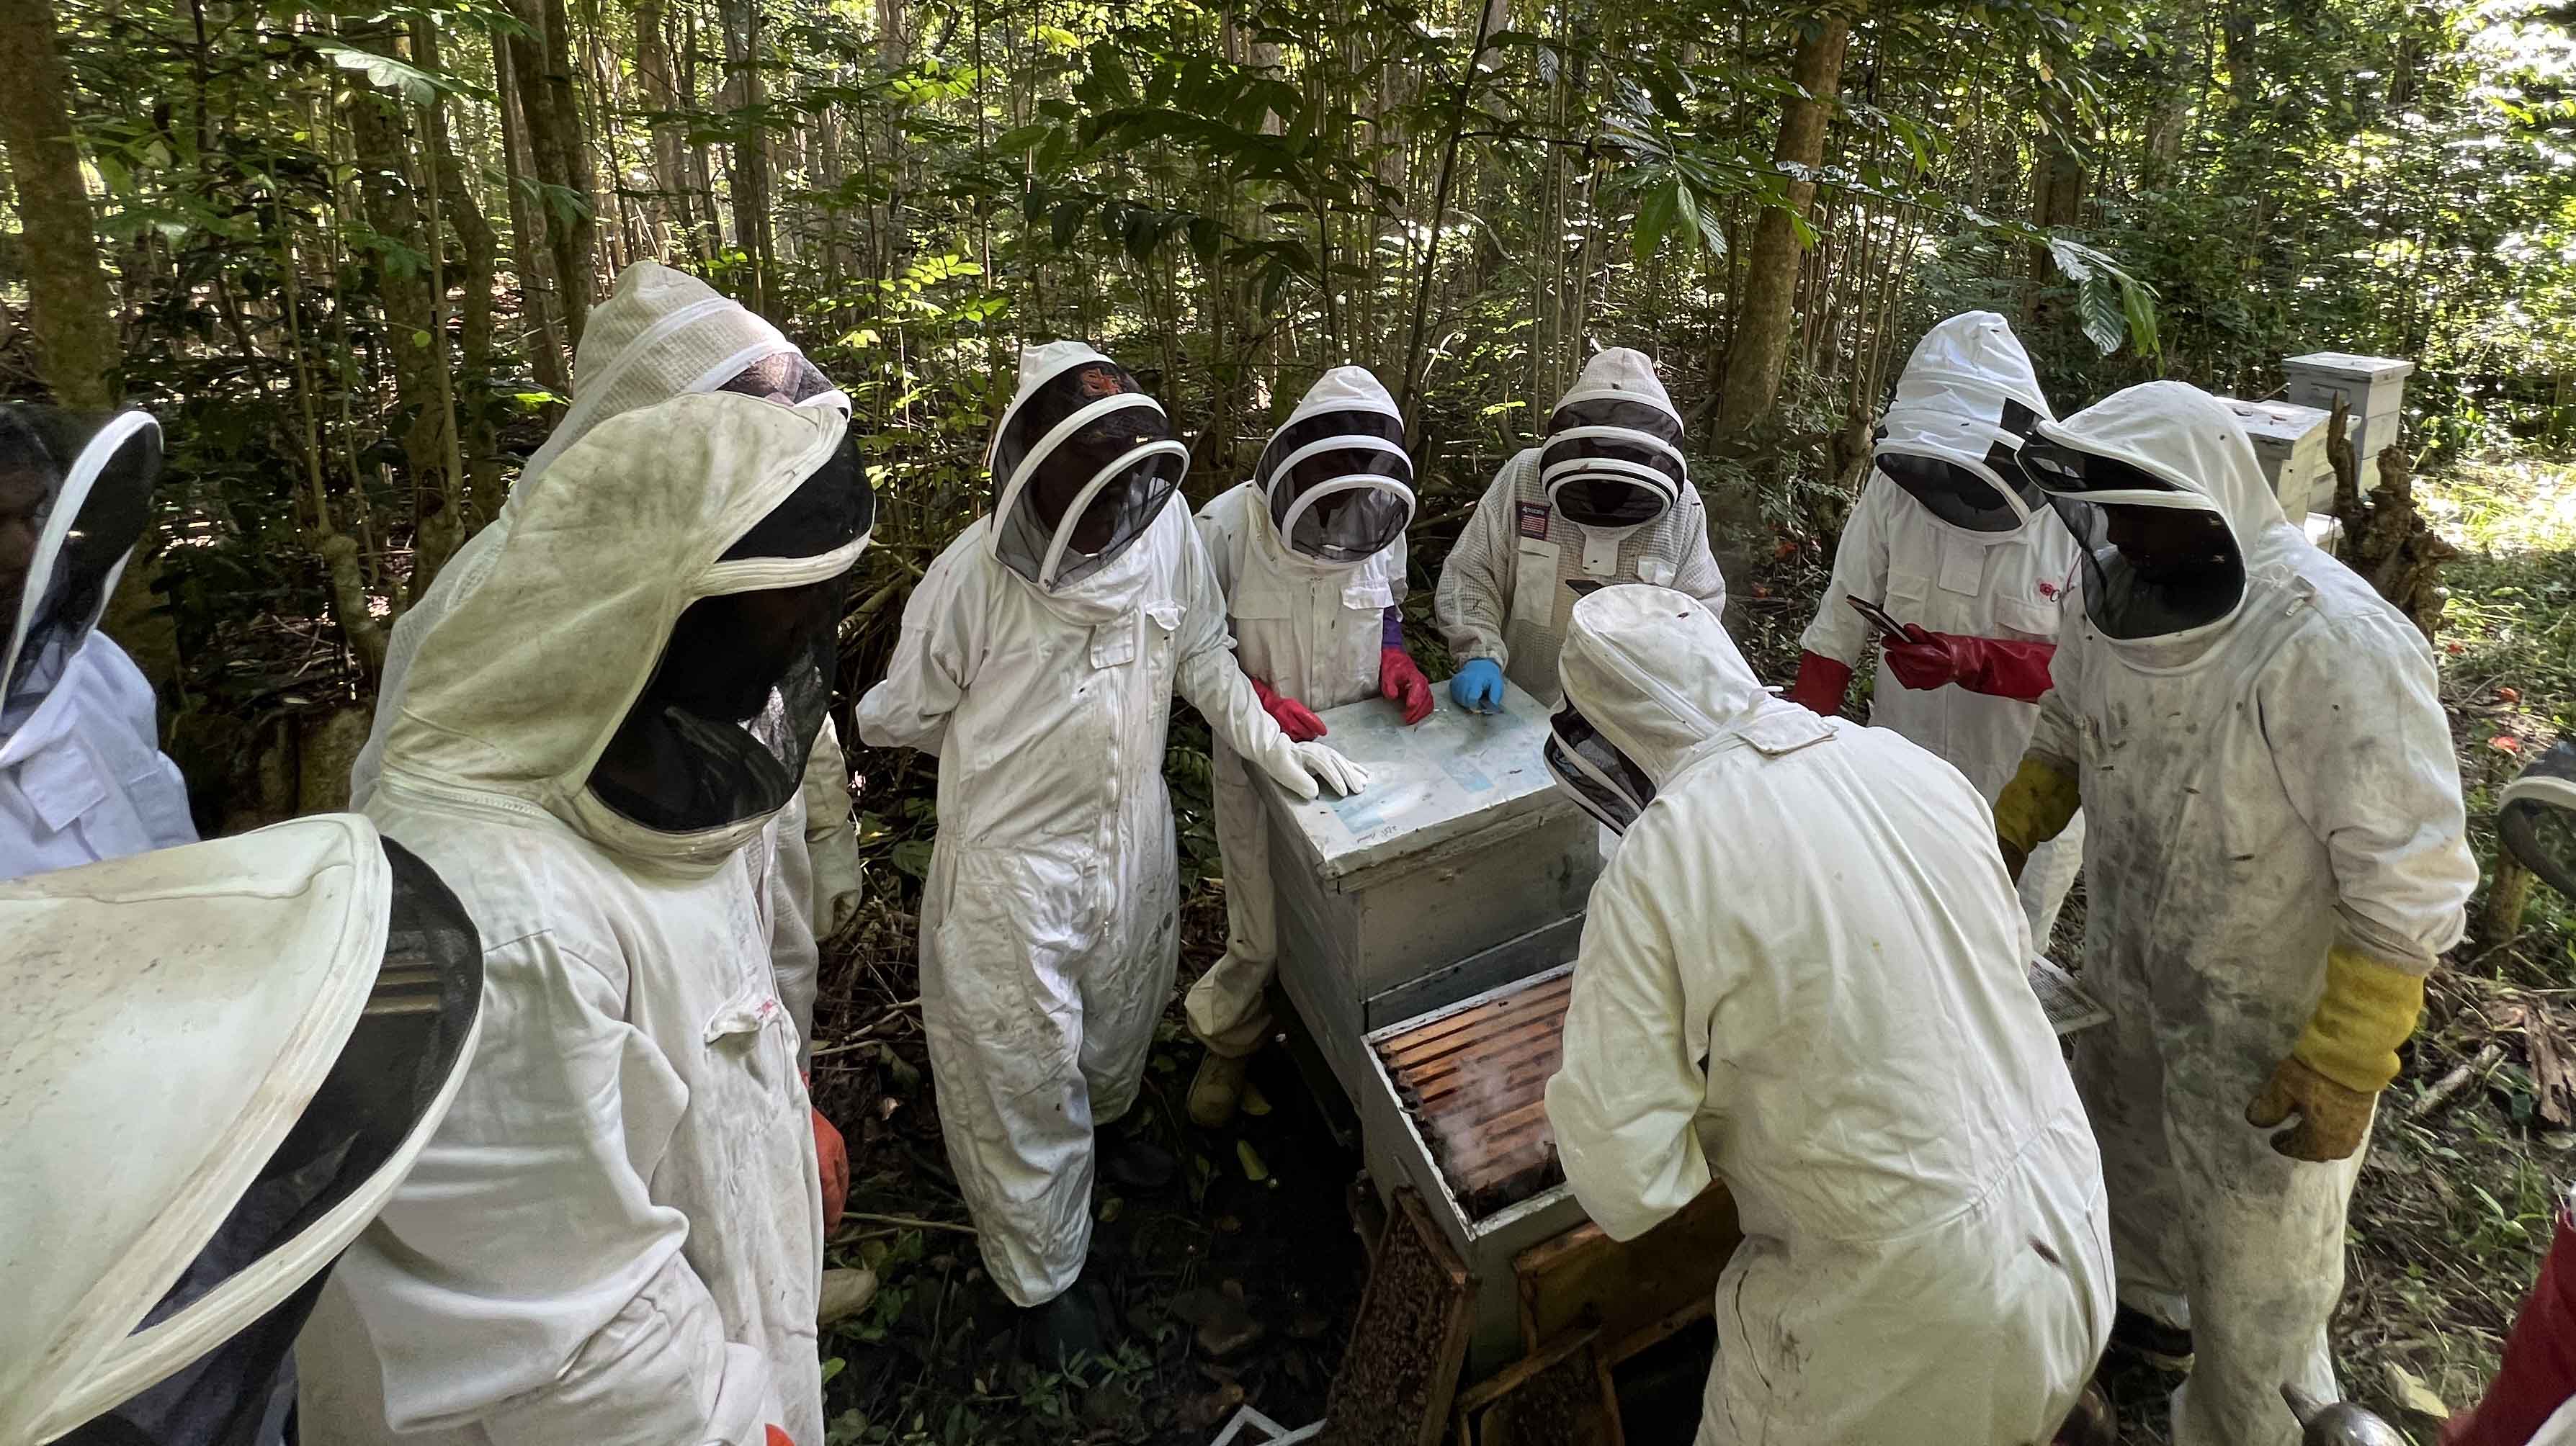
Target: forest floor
[(1238, 1283)]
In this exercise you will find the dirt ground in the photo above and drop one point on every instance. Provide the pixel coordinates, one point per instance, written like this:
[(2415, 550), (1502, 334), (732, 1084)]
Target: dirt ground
[(1237, 1285)]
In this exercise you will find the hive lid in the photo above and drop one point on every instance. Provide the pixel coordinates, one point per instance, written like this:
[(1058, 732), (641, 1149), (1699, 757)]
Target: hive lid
[(1450, 776), (2278, 423), (2353, 367)]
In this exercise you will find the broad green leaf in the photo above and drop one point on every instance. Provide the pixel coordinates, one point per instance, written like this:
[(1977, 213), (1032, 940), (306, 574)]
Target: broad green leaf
[(1658, 212), (414, 84)]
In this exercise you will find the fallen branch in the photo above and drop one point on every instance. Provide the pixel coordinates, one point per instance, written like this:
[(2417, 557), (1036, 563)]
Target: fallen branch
[(2449, 1085), (906, 1222)]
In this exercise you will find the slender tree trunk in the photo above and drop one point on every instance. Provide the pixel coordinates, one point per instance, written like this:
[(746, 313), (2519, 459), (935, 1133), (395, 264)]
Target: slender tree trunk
[(550, 115), (390, 186), (72, 309), (1764, 306), (653, 71), (547, 354), (746, 94)]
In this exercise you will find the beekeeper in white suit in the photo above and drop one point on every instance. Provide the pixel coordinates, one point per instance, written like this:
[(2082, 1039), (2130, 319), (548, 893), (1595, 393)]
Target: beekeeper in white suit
[(664, 334), (1802, 973), (1310, 555), (1038, 660), (617, 1234), (82, 777), (2277, 857), (1953, 541), (1605, 498)]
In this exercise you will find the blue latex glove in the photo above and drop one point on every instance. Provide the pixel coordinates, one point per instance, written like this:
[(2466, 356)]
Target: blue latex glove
[(1478, 688)]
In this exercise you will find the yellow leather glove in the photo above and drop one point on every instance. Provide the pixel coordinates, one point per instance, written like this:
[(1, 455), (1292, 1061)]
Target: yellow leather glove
[(2034, 808), (2344, 1058)]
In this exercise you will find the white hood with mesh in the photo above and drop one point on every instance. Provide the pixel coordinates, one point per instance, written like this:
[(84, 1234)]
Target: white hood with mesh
[(516, 693), (1655, 672)]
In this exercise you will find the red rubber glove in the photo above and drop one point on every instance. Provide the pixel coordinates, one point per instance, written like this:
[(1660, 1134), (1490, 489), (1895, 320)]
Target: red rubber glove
[(833, 1158), (1400, 682), (2538, 1374), (1294, 718), (779, 1437), (1820, 684), (1992, 666)]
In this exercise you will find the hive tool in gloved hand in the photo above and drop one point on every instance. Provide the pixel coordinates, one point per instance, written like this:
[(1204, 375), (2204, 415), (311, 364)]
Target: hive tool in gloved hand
[(1975, 572)]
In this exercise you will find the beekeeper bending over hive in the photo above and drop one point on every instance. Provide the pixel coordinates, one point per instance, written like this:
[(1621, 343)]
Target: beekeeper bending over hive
[(1802, 972)]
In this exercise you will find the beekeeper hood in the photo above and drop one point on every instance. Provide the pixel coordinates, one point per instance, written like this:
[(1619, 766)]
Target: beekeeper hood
[(222, 1059), (1335, 475), (1613, 454), (2161, 489), (651, 652), (1964, 404), (75, 494), (1082, 463), (664, 334), (1652, 684)]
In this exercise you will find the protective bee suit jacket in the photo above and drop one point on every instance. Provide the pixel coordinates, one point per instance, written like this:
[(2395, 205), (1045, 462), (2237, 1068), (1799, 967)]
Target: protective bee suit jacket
[(616, 1236), (82, 776), (2256, 787), (1503, 591), (1049, 917), (1952, 579), (663, 334), (1804, 972), (1314, 631)]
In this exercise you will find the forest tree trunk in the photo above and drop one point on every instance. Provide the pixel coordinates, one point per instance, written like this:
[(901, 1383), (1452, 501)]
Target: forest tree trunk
[(1763, 307), (72, 312), (550, 117), (548, 354), (744, 95)]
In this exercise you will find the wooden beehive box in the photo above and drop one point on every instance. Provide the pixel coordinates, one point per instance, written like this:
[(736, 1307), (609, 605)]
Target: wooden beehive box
[(2373, 386), (2290, 441)]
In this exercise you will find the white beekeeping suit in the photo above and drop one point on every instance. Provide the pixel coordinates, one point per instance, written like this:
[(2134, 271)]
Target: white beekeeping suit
[(2276, 855), (1803, 972), (663, 334), (1310, 555), (82, 776), (222, 1058), (1949, 536), (616, 1235), (1038, 660), (1604, 498)]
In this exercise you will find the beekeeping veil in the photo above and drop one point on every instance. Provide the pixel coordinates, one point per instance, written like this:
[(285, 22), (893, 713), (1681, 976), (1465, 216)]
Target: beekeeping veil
[(650, 653), (1335, 476), (223, 1058), (2161, 488), (1082, 463), (1652, 683), (75, 495), (1952, 438), (1613, 454)]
